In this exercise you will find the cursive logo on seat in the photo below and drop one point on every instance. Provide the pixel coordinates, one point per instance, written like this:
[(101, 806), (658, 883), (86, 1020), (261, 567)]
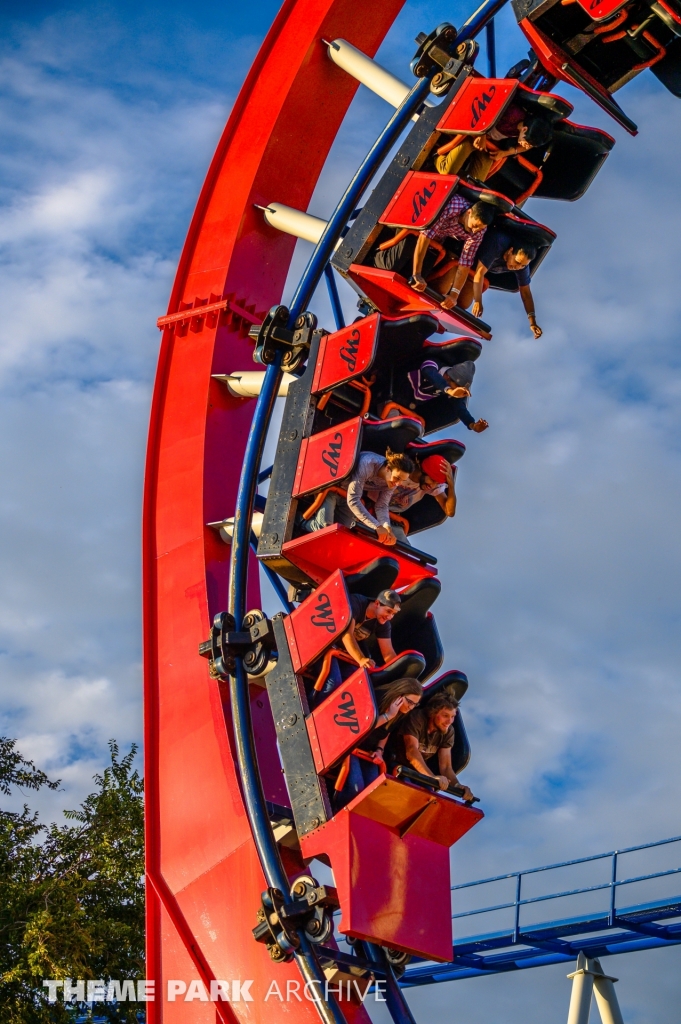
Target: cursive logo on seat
[(421, 200), (332, 454), (480, 104), (323, 616), (347, 713), (348, 352)]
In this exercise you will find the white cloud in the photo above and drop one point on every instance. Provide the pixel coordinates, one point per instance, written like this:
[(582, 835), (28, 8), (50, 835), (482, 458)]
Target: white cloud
[(95, 193)]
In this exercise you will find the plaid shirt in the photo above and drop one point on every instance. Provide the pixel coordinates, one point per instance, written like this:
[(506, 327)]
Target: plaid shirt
[(447, 226)]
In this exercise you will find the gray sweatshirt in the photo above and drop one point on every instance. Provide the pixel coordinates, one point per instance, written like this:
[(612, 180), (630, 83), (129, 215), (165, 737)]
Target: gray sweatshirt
[(366, 478)]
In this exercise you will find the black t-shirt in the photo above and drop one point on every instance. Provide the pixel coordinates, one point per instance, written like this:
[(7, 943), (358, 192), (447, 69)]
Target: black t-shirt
[(416, 724), (491, 255), (364, 628)]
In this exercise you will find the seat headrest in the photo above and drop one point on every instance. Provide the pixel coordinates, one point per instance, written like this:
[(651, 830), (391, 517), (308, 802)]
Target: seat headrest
[(495, 199), (408, 665), (453, 682), (417, 599), (405, 328), (553, 108), (459, 350), (478, 193), (530, 230), (395, 433), (449, 449), (373, 578)]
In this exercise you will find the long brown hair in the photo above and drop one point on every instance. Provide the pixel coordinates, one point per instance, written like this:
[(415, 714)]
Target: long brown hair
[(397, 461), (387, 693)]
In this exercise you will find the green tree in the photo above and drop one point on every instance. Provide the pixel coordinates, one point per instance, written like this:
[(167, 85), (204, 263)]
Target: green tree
[(72, 895)]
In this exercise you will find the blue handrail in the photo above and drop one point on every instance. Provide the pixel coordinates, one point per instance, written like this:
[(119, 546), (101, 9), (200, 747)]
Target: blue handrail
[(568, 863), (613, 884), (596, 933)]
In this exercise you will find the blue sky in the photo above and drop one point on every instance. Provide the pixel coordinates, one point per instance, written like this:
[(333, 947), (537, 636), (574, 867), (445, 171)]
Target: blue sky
[(561, 569)]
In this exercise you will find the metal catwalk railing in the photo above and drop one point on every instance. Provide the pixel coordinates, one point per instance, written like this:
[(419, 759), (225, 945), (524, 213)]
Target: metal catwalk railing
[(597, 932)]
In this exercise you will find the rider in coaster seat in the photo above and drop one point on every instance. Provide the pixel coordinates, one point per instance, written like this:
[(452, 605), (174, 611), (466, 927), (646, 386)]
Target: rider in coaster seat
[(413, 630), (424, 741), (393, 389), (431, 381), (373, 472), (515, 133), (501, 253), (370, 618), (455, 684), (434, 476), (393, 700), (460, 219)]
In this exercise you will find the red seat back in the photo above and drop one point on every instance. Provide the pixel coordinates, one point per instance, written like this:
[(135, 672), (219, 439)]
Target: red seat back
[(328, 457), (318, 621), (319, 553), (346, 354), (477, 106), (418, 200), (342, 720)]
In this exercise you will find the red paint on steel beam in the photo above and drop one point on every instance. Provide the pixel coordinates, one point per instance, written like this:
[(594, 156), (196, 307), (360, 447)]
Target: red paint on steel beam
[(199, 846), (205, 310)]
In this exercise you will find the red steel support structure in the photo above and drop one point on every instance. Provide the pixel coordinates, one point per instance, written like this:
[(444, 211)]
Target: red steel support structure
[(389, 845), (210, 851), (204, 878)]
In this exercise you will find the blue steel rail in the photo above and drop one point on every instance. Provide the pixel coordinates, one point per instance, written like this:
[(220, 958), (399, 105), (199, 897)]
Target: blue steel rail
[(254, 798), (597, 933)]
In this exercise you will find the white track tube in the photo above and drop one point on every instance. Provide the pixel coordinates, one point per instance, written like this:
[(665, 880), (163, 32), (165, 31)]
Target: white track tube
[(582, 989), (226, 527), (294, 222), (580, 999), (247, 383), (369, 73), (606, 1000)]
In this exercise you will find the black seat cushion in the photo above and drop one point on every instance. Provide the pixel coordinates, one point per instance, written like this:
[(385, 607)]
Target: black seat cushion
[(449, 448), (373, 578), (410, 664), (457, 350), (453, 682), (461, 751), (396, 434)]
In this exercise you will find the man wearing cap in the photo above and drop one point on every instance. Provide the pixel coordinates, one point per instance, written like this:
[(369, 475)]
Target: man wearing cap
[(435, 476), (371, 618), (431, 381)]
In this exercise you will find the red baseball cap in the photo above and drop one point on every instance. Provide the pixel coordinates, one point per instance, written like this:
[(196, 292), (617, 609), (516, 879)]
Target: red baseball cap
[(436, 468)]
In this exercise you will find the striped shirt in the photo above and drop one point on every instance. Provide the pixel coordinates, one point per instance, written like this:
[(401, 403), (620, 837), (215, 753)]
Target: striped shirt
[(447, 226)]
